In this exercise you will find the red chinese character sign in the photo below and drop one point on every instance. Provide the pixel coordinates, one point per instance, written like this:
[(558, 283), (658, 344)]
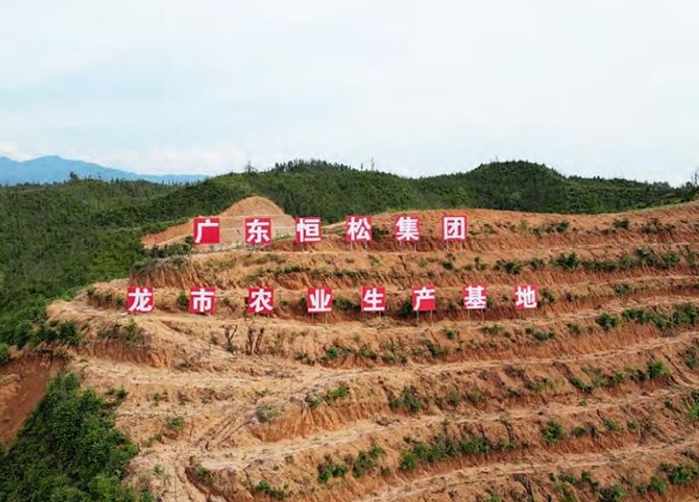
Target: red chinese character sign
[(424, 299), (260, 300), (358, 228), (139, 300), (258, 231), (206, 231), (373, 299), (202, 300), (407, 228), (308, 230), (475, 297), (319, 300), (526, 297), (454, 228)]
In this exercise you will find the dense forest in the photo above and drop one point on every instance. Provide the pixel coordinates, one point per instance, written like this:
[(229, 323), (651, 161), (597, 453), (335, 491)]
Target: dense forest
[(54, 238)]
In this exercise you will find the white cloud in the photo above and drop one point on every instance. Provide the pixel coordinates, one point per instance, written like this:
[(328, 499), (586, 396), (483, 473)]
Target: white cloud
[(13, 152), (165, 160), (591, 87)]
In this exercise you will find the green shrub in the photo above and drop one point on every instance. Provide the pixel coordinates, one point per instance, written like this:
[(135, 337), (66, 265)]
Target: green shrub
[(622, 289), (611, 425), (607, 321), (547, 296), (614, 493), (435, 349), (657, 369), (409, 400), (574, 329), (685, 315), (655, 226), (366, 461), (367, 352), (453, 398), (621, 223), (275, 493), (657, 485), (580, 385), (690, 358), (537, 263), (553, 432), (442, 447), (567, 262), (683, 474), (475, 396), (62, 332), (174, 424), (692, 402), (312, 400), (203, 474), (340, 392), (129, 334), (290, 269), (346, 304), (492, 329), (332, 352), (408, 461), (562, 226), (266, 413), (511, 267), (474, 445), (405, 310), (579, 431), (541, 336), (4, 353), (183, 300), (670, 259), (328, 469)]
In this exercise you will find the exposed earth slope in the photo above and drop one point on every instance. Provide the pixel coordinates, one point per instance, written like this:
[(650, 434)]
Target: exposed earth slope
[(232, 222), (592, 397)]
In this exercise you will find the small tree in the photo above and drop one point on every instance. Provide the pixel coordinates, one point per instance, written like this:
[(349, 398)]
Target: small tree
[(183, 300), (4, 353)]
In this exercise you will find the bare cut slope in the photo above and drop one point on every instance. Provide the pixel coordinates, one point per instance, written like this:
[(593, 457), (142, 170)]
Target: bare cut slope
[(593, 398), (232, 223), (22, 385)]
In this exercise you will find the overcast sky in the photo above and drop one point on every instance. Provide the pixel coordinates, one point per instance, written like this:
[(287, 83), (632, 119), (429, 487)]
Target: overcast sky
[(591, 87)]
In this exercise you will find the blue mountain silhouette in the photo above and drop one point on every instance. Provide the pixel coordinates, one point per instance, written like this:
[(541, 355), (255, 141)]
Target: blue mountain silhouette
[(53, 169)]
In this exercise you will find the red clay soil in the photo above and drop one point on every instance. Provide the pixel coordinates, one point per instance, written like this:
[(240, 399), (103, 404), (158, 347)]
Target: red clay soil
[(538, 406), (23, 383)]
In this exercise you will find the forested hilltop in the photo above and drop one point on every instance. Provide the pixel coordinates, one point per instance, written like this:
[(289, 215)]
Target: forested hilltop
[(54, 238)]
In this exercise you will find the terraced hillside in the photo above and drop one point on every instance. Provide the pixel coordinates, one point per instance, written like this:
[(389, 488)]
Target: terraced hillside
[(595, 397)]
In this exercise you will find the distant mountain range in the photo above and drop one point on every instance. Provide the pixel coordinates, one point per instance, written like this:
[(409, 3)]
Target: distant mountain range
[(53, 169)]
